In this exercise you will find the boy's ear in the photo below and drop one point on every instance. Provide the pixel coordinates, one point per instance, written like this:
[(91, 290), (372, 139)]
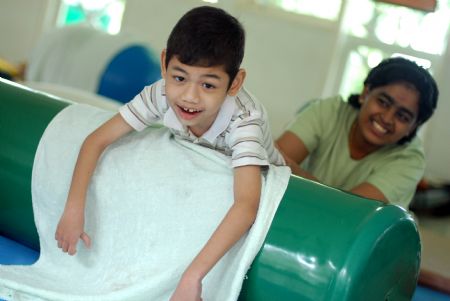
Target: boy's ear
[(163, 63), (237, 83)]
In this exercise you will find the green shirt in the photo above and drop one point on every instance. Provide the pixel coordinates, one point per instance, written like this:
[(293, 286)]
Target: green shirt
[(324, 127)]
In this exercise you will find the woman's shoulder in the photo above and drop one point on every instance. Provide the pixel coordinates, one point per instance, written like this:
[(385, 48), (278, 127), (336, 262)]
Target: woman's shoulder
[(330, 109), (322, 117), (414, 148), (327, 104), (412, 151)]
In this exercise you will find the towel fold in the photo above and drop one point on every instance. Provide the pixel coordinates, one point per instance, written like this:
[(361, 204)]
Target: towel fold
[(152, 204)]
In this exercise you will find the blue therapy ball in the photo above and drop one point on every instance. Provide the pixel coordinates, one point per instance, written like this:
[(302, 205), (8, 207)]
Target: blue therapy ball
[(128, 73)]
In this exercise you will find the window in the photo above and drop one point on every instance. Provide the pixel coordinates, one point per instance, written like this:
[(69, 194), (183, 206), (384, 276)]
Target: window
[(364, 58), (102, 14), (401, 26), (381, 30), (323, 9)]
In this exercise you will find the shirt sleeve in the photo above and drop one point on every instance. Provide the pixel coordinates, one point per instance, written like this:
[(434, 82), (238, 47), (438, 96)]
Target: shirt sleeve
[(246, 141), (397, 176), (146, 108), (313, 120)]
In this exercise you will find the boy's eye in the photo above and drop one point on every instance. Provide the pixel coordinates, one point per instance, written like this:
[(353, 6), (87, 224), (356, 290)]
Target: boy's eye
[(178, 78), (208, 86)]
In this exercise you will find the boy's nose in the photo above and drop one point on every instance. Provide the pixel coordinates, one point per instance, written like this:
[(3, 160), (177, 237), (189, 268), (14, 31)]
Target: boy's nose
[(190, 94)]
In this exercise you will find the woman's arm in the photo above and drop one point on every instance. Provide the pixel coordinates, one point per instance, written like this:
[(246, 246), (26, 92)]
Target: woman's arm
[(71, 225), (295, 152), (237, 221), (369, 191), (292, 147)]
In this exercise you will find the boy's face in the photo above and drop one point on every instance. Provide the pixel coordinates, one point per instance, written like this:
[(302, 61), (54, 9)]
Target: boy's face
[(196, 94)]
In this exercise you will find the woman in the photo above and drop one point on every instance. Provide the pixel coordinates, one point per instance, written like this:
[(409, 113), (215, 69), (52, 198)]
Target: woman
[(367, 145)]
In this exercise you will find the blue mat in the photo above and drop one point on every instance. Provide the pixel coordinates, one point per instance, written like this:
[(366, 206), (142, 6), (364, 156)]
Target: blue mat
[(427, 294), (12, 252)]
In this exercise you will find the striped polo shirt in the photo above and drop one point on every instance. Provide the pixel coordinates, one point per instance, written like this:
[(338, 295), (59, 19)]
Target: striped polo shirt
[(241, 128)]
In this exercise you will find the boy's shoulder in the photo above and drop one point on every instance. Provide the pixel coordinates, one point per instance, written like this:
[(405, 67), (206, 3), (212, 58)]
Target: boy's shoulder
[(247, 103)]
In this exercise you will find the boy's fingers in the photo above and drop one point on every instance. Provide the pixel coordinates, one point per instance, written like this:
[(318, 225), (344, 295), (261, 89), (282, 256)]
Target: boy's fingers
[(72, 249), (86, 239), (65, 247)]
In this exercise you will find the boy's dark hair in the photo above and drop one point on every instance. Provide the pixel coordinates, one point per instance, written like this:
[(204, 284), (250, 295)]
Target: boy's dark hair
[(394, 70), (207, 36)]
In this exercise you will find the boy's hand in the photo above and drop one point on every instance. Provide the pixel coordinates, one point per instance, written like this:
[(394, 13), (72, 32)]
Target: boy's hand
[(188, 290), (70, 229), (239, 218)]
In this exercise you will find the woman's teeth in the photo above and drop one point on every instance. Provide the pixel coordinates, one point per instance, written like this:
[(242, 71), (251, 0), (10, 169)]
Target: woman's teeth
[(379, 128)]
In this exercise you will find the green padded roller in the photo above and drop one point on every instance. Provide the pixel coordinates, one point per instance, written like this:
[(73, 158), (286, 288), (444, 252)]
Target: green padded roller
[(323, 244), (24, 115)]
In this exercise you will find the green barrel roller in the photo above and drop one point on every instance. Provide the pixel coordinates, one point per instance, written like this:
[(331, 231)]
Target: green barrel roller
[(323, 244)]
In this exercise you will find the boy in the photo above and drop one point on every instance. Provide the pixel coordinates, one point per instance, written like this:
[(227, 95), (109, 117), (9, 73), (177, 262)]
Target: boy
[(200, 100)]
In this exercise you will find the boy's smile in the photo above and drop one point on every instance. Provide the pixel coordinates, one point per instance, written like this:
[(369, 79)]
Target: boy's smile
[(196, 93), (188, 113)]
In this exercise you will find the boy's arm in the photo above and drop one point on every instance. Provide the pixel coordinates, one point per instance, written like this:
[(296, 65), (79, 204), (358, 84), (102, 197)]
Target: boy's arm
[(237, 221), (71, 225)]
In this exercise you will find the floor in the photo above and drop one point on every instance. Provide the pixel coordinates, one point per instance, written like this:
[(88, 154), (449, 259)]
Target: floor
[(427, 294), (435, 236), (439, 225)]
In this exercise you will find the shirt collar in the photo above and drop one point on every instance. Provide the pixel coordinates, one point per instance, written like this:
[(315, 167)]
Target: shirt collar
[(219, 125), (171, 120)]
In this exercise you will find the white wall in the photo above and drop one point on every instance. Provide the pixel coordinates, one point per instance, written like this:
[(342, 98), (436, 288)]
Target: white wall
[(287, 63), (437, 135), (21, 24), (287, 59)]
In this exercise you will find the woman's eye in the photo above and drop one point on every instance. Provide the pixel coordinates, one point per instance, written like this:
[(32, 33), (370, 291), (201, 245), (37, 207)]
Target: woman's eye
[(383, 102), (404, 118)]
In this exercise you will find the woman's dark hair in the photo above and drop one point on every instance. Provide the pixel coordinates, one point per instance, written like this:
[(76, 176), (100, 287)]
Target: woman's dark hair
[(208, 36), (394, 70)]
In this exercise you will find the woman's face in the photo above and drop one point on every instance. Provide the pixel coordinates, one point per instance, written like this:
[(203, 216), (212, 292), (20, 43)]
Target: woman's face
[(388, 113)]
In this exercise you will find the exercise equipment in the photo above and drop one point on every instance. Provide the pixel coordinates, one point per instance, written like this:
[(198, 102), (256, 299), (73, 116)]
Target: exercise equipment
[(129, 71), (323, 244), (15, 253), (116, 66)]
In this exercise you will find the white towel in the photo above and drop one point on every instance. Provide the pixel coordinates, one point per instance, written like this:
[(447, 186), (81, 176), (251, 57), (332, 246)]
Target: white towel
[(152, 204)]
